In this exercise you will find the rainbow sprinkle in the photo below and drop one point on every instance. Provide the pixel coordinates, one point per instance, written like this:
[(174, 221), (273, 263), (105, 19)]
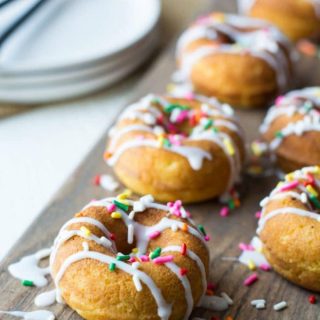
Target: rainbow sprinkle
[(163, 260), (121, 205)]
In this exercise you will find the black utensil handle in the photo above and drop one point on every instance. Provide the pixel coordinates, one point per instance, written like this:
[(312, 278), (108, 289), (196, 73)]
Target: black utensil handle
[(20, 20)]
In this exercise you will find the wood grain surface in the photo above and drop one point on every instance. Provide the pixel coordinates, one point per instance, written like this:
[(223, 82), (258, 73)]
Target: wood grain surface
[(226, 232)]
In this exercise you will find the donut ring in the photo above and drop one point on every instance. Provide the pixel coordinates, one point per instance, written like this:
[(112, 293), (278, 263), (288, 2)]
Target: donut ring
[(177, 148), (292, 129), (100, 275), (289, 228), (289, 16), (239, 60)]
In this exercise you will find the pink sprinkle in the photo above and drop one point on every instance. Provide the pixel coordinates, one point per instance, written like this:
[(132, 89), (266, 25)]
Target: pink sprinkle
[(279, 100), (207, 238), (154, 234), (265, 267), (132, 259), (170, 204), (224, 212), (174, 140), (289, 186), (183, 115), (188, 214), (250, 280), (177, 212), (111, 207), (189, 96), (144, 258), (162, 260), (245, 247), (211, 286), (258, 214)]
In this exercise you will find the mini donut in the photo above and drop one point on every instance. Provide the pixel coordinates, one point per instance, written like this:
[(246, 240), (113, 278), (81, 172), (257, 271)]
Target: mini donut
[(295, 18), (239, 60), (177, 148), (126, 259), (289, 228), (291, 129)]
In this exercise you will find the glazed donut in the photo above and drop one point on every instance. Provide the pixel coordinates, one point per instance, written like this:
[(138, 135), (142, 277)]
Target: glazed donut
[(289, 228), (177, 148), (239, 60), (295, 18), (125, 259), (291, 129)]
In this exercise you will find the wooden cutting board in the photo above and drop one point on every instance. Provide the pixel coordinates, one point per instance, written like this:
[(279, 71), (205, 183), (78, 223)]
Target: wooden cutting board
[(226, 232)]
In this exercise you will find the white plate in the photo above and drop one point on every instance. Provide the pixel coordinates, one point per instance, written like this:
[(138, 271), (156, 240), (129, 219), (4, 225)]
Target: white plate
[(71, 33), (14, 81), (66, 90)]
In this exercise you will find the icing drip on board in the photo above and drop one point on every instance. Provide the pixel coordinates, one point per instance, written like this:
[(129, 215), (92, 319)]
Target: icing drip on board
[(32, 315), (27, 268)]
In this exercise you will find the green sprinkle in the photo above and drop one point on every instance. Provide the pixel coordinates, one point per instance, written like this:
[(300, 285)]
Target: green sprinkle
[(170, 107), (231, 204), (123, 257), (308, 106), (27, 283), (315, 201), (156, 253), (121, 205), (201, 228), (166, 143), (112, 266), (208, 124), (279, 134), (215, 129), (155, 100)]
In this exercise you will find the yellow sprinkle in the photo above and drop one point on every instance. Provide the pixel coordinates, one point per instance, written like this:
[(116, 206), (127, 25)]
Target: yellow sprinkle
[(256, 149), (116, 215), (220, 17), (135, 250), (170, 87), (311, 190), (124, 195), (279, 184), (289, 177), (259, 249), (86, 231), (251, 265), (229, 146)]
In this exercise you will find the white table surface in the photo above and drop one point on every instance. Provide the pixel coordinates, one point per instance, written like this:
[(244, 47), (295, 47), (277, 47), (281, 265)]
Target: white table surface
[(41, 147)]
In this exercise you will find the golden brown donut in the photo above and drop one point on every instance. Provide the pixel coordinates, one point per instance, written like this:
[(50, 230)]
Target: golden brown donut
[(243, 61), (295, 18), (289, 228), (177, 148), (291, 129), (125, 259)]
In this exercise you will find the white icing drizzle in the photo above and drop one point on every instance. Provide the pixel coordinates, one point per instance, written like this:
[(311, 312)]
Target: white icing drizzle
[(195, 258), (164, 309), (194, 155), (286, 210), (279, 193), (45, 299), (32, 315), (293, 103), (262, 43), (186, 285), (27, 268)]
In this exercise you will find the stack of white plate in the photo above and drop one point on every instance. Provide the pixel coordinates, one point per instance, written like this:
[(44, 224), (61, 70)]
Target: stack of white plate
[(74, 47)]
